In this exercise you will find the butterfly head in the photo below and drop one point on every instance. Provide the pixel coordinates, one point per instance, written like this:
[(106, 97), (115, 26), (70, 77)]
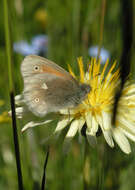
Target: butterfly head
[(84, 90)]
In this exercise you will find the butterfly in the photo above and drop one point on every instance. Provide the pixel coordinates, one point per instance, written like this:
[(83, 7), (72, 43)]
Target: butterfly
[(48, 87)]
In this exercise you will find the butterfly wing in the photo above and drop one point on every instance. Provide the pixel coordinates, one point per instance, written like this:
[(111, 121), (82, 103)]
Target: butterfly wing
[(47, 86), (34, 64)]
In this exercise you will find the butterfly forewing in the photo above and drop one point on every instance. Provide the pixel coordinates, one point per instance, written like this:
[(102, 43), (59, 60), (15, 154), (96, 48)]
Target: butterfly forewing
[(33, 64)]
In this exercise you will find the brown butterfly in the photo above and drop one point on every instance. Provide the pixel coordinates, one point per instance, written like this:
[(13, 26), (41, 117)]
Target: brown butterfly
[(48, 87)]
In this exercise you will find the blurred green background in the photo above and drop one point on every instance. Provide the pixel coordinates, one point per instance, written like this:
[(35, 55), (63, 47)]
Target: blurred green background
[(72, 27)]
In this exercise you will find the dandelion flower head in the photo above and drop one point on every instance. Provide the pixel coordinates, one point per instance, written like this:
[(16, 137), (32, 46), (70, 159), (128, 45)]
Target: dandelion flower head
[(96, 110)]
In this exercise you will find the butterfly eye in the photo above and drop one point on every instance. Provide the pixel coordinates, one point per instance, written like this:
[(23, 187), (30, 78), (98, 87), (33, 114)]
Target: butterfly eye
[(36, 100), (36, 68)]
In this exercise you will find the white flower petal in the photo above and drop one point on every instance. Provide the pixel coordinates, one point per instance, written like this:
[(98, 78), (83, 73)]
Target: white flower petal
[(121, 140), (19, 112), (99, 120), (88, 117), (62, 124), (131, 89), (19, 99), (73, 129), (81, 123), (129, 135), (34, 124), (76, 125), (107, 133), (108, 137), (126, 124), (106, 120), (92, 124), (129, 97), (94, 128)]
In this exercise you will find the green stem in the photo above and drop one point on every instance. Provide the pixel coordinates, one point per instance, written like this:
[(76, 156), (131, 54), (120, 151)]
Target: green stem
[(11, 91), (101, 27), (86, 167), (44, 172), (8, 44)]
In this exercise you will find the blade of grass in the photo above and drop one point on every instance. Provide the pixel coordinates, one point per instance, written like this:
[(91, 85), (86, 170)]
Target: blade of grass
[(86, 168), (11, 91), (127, 40), (103, 8), (44, 172)]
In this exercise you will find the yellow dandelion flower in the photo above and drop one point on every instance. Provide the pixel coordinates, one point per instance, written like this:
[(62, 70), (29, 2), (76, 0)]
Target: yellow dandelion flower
[(96, 109), (41, 17), (4, 117)]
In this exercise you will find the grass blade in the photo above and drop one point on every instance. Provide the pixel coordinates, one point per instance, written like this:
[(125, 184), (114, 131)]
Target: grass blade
[(44, 172), (11, 91)]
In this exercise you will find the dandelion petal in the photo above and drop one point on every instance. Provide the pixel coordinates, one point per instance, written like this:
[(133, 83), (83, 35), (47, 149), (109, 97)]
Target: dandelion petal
[(94, 126), (88, 120), (106, 120), (107, 133), (33, 124), (121, 140), (73, 129), (70, 134), (81, 123), (108, 137), (129, 135), (127, 124), (19, 99), (62, 124)]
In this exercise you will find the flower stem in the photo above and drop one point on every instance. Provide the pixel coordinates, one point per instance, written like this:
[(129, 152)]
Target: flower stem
[(86, 167), (127, 40), (101, 27), (44, 172), (11, 91)]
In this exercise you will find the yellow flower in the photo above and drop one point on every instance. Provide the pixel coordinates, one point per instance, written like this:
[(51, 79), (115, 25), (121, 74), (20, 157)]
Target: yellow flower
[(1, 102), (41, 17), (96, 109), (4, 117)]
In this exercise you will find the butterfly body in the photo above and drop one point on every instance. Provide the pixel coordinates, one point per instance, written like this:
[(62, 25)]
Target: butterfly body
[(48, 87)]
